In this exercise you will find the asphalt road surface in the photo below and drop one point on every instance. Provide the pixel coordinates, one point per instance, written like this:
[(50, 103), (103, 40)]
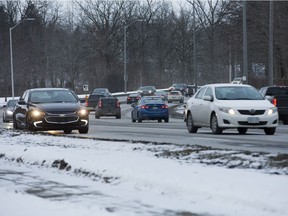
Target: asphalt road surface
[(175, 132)]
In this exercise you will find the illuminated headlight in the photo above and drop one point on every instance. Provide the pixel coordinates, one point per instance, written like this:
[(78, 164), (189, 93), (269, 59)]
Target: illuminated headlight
[(227, 110), (36, 113), (82, 112), (272, 110), (9, 112)]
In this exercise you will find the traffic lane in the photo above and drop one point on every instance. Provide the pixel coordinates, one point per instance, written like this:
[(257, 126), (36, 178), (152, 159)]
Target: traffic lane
[(175, 132)]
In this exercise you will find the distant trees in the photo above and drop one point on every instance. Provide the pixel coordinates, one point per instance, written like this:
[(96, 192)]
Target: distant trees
[(81, 42)]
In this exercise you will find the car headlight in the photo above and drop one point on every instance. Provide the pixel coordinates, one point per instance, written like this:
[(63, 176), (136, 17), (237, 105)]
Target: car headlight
[(227, 110), (9, 112), (272, 110), (37, 113), (82, 112)]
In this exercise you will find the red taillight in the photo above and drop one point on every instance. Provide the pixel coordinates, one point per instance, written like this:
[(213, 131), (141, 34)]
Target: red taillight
[(164, 107), (274, 101), (144, 107), (100, 104), (118, 104), (86, 103)]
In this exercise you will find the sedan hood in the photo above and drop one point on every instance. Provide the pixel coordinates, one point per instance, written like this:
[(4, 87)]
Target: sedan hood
[(50, 107), (256, 104)]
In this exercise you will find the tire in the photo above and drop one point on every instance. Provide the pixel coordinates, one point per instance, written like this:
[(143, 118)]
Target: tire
[(83, 130), (67, 131), (139, 119), (97, 117), (159, 120), (242, 130), (269, 131), (169, 101), (4, 119), (118, 117), (29, 125), (15, 126), (190, 124), (284, 121), (166, 120), (214, 125)]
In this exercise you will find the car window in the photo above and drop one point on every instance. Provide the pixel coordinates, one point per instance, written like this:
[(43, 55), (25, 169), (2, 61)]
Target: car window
[(237, 93), (208, 92), (277, 91), (200, 93), (52, 96)]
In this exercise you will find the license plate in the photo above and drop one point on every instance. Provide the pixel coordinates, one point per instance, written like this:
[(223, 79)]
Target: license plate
[(253, 120), (155, 107)]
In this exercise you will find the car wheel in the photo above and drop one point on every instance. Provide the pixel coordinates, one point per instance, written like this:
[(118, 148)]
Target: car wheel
[(83, 130), (190, 124), (214, 125), (242, 130), (67, 131), (97, 116), (285, 122), (166, 120), (118, 117), (169, 101), (15, 126), (139, 120), (4, 119), (269, 131), (29, 125), (159, 120)]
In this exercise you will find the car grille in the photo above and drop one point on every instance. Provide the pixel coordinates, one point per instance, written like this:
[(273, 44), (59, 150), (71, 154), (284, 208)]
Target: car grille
[(252, 124), (61, 112), (251, 112), (61, 120)]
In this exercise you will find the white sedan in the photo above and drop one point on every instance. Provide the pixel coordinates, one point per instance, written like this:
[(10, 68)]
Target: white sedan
[(174, 96), (224, 106)]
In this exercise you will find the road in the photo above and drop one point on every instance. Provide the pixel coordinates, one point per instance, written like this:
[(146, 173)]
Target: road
[(175, 132)]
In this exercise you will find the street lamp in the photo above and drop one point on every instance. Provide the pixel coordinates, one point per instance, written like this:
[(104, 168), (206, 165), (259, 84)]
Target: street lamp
[(11, 53), (125, 53)]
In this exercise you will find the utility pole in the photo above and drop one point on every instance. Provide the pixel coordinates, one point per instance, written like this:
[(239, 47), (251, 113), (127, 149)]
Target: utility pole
[(271, 72)]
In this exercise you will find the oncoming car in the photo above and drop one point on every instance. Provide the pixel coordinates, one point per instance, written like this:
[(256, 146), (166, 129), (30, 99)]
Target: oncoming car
[(224, 106), (50, 109), (8, 110)]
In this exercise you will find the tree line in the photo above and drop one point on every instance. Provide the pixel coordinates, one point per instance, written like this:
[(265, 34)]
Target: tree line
[(76, 43)]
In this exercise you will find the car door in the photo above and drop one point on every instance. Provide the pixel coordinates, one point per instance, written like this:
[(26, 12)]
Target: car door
[(195, 106), (206, 108)]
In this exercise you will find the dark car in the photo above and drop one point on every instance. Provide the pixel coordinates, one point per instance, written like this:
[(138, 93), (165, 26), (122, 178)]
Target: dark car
[(93, 99), (50, 109), (162, 94), (150, 108), (108, 106), (178, 87), (8, 110), (133, 98), (101, 91), (146, 90)]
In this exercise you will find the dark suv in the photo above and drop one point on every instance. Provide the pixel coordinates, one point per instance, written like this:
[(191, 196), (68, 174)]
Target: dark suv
[(108, 106)]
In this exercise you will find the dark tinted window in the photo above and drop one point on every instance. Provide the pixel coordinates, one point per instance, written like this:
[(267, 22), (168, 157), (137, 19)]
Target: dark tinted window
[(277, 91), (52, 96), (109, 101)]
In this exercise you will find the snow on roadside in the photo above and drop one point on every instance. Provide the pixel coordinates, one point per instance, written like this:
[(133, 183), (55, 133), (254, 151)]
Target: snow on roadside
[(137, 179)]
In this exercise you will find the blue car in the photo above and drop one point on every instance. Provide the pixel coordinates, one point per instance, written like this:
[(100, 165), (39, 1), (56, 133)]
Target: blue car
[(150, 108)]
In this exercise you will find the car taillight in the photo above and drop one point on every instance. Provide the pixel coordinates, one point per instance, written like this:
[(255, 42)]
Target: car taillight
[(86, 103), (274, 101), (118, 104), (144, 107), (164, 107), (100, 104)]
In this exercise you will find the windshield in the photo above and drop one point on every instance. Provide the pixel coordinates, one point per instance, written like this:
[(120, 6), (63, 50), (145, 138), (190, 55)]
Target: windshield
[(237, 93), (52, 96)]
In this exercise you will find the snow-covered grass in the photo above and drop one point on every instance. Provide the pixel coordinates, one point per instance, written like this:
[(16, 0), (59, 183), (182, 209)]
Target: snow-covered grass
[(54, 175)]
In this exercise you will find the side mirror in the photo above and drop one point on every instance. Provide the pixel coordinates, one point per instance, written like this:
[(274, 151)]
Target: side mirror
[(21, 102), (208, 98), (268, 97)]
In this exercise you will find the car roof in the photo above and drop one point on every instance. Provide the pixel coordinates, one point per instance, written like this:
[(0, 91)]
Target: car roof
[(226, 85), (49, 89)]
